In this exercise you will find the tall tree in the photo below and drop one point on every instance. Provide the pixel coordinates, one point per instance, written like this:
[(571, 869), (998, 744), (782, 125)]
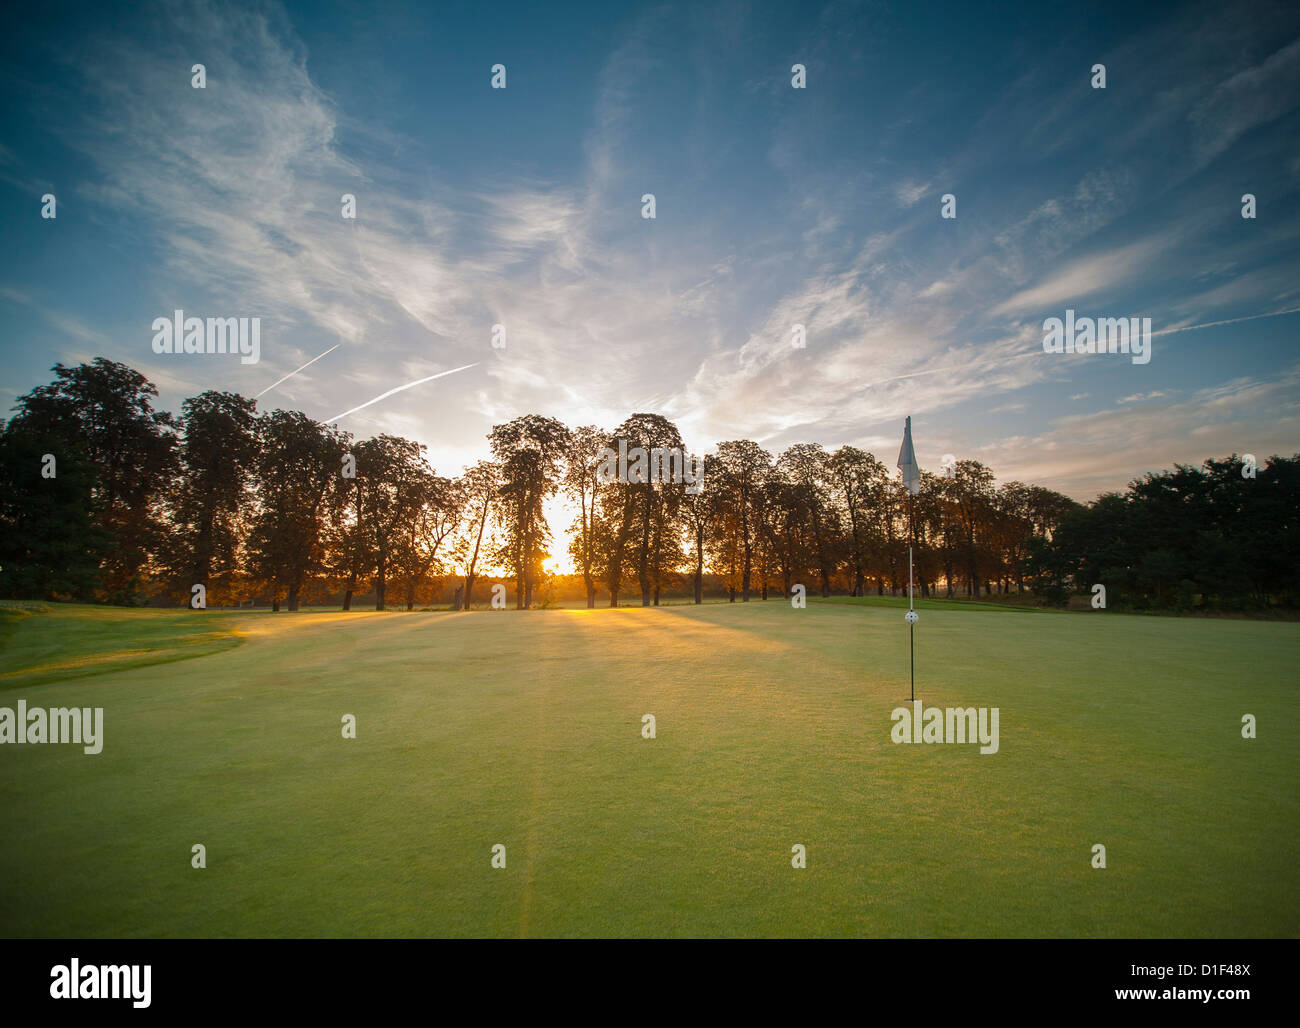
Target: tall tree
[(211, 494), (699, 517), (654, 494), (806, 467), (972, 485), (51, 546), (298, 471), (434, 510), (612, 527), (530, 452), (479, 486), (349, 558), (856, 477), (102, 413), (394, 477), (789, 519), (581, 482), (740, 466)]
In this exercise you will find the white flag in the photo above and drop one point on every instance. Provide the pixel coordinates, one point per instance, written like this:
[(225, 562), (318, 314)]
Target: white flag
[(907, 461)]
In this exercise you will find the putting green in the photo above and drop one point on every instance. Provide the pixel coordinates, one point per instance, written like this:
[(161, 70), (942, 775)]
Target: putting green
[(773, 729)]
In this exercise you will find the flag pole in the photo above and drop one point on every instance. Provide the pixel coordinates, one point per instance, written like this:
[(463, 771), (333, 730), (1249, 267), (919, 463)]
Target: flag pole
[(912, 482)]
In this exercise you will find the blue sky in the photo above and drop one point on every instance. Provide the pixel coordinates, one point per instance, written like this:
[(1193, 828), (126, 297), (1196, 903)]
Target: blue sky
[(819, 206)]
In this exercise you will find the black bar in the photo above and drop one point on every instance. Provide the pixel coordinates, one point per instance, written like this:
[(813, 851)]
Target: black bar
[(974, 977)]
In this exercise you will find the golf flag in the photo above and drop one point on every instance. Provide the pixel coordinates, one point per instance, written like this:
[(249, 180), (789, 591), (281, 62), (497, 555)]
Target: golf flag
[(907, 461), (912, 479)]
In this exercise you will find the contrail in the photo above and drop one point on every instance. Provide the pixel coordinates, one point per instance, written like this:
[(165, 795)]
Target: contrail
[(292, 373), (1230, 321), (384, 396), (936, 371), (910, 374)]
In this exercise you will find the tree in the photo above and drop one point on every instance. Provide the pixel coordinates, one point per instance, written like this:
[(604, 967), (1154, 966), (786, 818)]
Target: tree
[(972, 485), (479, 486), (529, 451), (789, 518), (581, 482), (740, 466), (392, 473), (211, 494), (50, 544), (611, 532), (699, 516), (298, 467), (434, 511), (856, 476), (805, 466), (652, 499), (349, 559), (1264, 528), (102, 413)]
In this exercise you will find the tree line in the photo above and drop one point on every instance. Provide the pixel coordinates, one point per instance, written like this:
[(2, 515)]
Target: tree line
[(104, 498)]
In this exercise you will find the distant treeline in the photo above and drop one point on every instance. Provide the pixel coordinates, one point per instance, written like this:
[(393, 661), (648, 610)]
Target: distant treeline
[(104, 498)]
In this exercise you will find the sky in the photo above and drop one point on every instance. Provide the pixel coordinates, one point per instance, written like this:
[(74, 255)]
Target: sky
[(774, 206)]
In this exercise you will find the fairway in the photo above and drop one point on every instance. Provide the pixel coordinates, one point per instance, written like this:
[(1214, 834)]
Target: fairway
[(773, 729)]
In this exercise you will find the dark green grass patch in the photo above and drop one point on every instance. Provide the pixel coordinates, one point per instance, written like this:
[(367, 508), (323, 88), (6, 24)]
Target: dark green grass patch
[(41, 644)]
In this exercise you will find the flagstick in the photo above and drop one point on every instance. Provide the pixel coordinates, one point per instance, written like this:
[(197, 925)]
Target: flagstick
[(911, 477), (911, 628)]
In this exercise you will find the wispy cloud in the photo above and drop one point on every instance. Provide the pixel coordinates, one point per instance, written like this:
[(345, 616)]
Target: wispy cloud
[(777, 208)]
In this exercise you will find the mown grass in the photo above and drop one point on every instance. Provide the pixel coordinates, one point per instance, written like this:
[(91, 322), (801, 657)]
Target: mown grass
[(524, 729), (62, 641)]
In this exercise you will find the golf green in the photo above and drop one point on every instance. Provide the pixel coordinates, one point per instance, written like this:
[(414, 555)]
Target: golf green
[(772, 729)]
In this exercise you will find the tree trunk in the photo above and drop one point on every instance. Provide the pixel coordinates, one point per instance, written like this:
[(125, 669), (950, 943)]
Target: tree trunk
[(744, 532), (473, 561), (620, 544), (643, 566), (586, 546), (699, 564)]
